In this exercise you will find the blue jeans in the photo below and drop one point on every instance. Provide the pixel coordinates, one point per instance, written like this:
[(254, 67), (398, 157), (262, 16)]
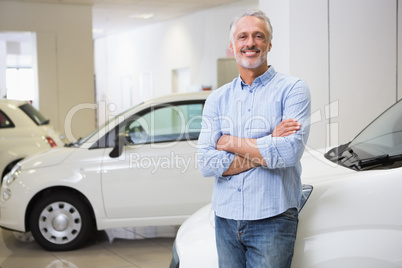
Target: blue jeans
[(266, 243)]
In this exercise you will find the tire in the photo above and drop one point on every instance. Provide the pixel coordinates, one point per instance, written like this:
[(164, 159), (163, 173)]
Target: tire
[(61, 221)]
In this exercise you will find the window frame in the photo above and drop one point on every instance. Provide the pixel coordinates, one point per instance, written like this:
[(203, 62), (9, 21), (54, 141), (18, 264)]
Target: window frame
[(108, 140), (6, 117)]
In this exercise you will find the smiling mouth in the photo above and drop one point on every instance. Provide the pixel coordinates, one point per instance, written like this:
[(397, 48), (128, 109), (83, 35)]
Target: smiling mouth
[(250, 53)]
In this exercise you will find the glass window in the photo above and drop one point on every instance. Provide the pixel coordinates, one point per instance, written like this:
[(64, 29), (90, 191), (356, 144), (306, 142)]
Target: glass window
[(20, 83), (165, 123), (5, 122), (34, 114)]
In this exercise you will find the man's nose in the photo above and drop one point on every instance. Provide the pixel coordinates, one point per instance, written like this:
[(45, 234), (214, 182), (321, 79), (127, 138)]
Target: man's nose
[(250, 42)]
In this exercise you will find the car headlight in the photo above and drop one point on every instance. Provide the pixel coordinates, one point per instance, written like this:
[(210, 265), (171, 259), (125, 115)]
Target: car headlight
[(6, 193), (8, 180), (13, 175)]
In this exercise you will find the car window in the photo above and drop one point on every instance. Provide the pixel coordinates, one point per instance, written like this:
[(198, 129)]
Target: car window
[(5, 122), (34, 114), (165, 123)]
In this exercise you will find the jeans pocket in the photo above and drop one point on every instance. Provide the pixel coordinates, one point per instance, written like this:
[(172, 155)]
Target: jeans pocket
[(291, 213)]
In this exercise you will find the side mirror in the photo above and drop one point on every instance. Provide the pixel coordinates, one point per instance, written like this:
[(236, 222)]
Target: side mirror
[(119, 143)]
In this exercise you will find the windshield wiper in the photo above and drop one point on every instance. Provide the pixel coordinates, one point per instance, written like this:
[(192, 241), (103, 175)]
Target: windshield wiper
[(336, 154), (383, 160)]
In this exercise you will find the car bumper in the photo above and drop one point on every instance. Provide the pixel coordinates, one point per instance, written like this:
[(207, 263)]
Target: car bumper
[(11, 223), (12, 210)]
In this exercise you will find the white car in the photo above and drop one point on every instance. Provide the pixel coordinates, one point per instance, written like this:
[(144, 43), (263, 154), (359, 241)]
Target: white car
[(352, 215), (148, 177), (23, 131)]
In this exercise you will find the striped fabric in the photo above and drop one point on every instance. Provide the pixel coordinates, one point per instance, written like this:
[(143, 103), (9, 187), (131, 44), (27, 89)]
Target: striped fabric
[(253, 112)]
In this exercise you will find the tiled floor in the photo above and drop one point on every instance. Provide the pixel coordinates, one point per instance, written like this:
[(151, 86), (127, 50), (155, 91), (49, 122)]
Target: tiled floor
[(104, 250)]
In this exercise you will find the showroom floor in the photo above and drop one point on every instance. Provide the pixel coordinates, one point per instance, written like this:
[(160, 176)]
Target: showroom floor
[(106, 249)]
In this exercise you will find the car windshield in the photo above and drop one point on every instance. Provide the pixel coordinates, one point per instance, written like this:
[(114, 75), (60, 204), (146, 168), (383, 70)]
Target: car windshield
[(103, 127), (379, 145), (383, 135), (34, 114)]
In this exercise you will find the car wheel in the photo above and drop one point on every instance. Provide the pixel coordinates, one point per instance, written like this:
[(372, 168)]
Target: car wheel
[(61, 221)]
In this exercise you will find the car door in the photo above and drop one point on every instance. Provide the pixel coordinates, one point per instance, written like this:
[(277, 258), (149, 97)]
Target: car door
[(156, 174)]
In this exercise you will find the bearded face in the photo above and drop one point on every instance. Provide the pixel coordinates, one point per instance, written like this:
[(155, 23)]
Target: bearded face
[(251, 42)]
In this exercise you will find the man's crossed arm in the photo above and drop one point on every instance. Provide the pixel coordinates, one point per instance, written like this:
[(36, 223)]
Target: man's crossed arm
[(246, 151)]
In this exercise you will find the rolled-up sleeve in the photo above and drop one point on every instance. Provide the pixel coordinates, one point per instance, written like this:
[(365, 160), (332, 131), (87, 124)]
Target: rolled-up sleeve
[(280, 152), (212, 163)]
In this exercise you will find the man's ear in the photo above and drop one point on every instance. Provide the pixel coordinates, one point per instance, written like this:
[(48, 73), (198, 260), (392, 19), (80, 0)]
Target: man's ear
[(270, 46), (231, 47)]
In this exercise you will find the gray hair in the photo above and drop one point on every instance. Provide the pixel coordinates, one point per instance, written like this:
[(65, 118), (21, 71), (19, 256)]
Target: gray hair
[(254, 13)]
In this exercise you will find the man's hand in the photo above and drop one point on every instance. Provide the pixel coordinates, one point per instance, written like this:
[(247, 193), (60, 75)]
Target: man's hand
[(246, 147), (246, 150), (286, 128)]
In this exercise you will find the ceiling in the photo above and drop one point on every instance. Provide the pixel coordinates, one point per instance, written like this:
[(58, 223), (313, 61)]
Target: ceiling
[(114, 16)]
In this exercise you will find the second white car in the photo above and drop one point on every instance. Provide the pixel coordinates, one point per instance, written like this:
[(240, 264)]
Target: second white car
[(139, 169)]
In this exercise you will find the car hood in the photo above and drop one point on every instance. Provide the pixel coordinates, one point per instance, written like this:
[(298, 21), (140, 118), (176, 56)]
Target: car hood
[(47, 158), (316, 168)]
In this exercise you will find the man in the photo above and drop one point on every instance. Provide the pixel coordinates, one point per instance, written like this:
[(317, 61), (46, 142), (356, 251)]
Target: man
[(253, 135)]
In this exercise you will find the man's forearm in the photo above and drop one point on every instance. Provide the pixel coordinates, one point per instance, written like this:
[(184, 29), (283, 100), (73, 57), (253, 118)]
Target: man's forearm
[(243, 147), (239, 165), (246, 150)]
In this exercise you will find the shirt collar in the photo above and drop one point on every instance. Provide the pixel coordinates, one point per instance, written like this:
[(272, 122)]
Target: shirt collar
[(262, 79)]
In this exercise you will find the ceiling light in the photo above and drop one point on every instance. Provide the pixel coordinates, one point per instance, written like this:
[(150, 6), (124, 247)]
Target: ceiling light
[(144, 16)]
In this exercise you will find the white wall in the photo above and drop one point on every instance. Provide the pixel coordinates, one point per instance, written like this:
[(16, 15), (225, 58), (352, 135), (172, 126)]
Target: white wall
[(195, 42), (346, 50), (64, 55), (3, 67)]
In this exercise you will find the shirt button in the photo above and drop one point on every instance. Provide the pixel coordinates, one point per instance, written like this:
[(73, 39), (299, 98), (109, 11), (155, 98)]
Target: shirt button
[(251, 91), (249, 110), (239, 190)]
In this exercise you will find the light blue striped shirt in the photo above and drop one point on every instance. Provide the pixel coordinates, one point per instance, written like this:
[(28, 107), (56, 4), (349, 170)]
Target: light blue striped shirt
[(253, 112)]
